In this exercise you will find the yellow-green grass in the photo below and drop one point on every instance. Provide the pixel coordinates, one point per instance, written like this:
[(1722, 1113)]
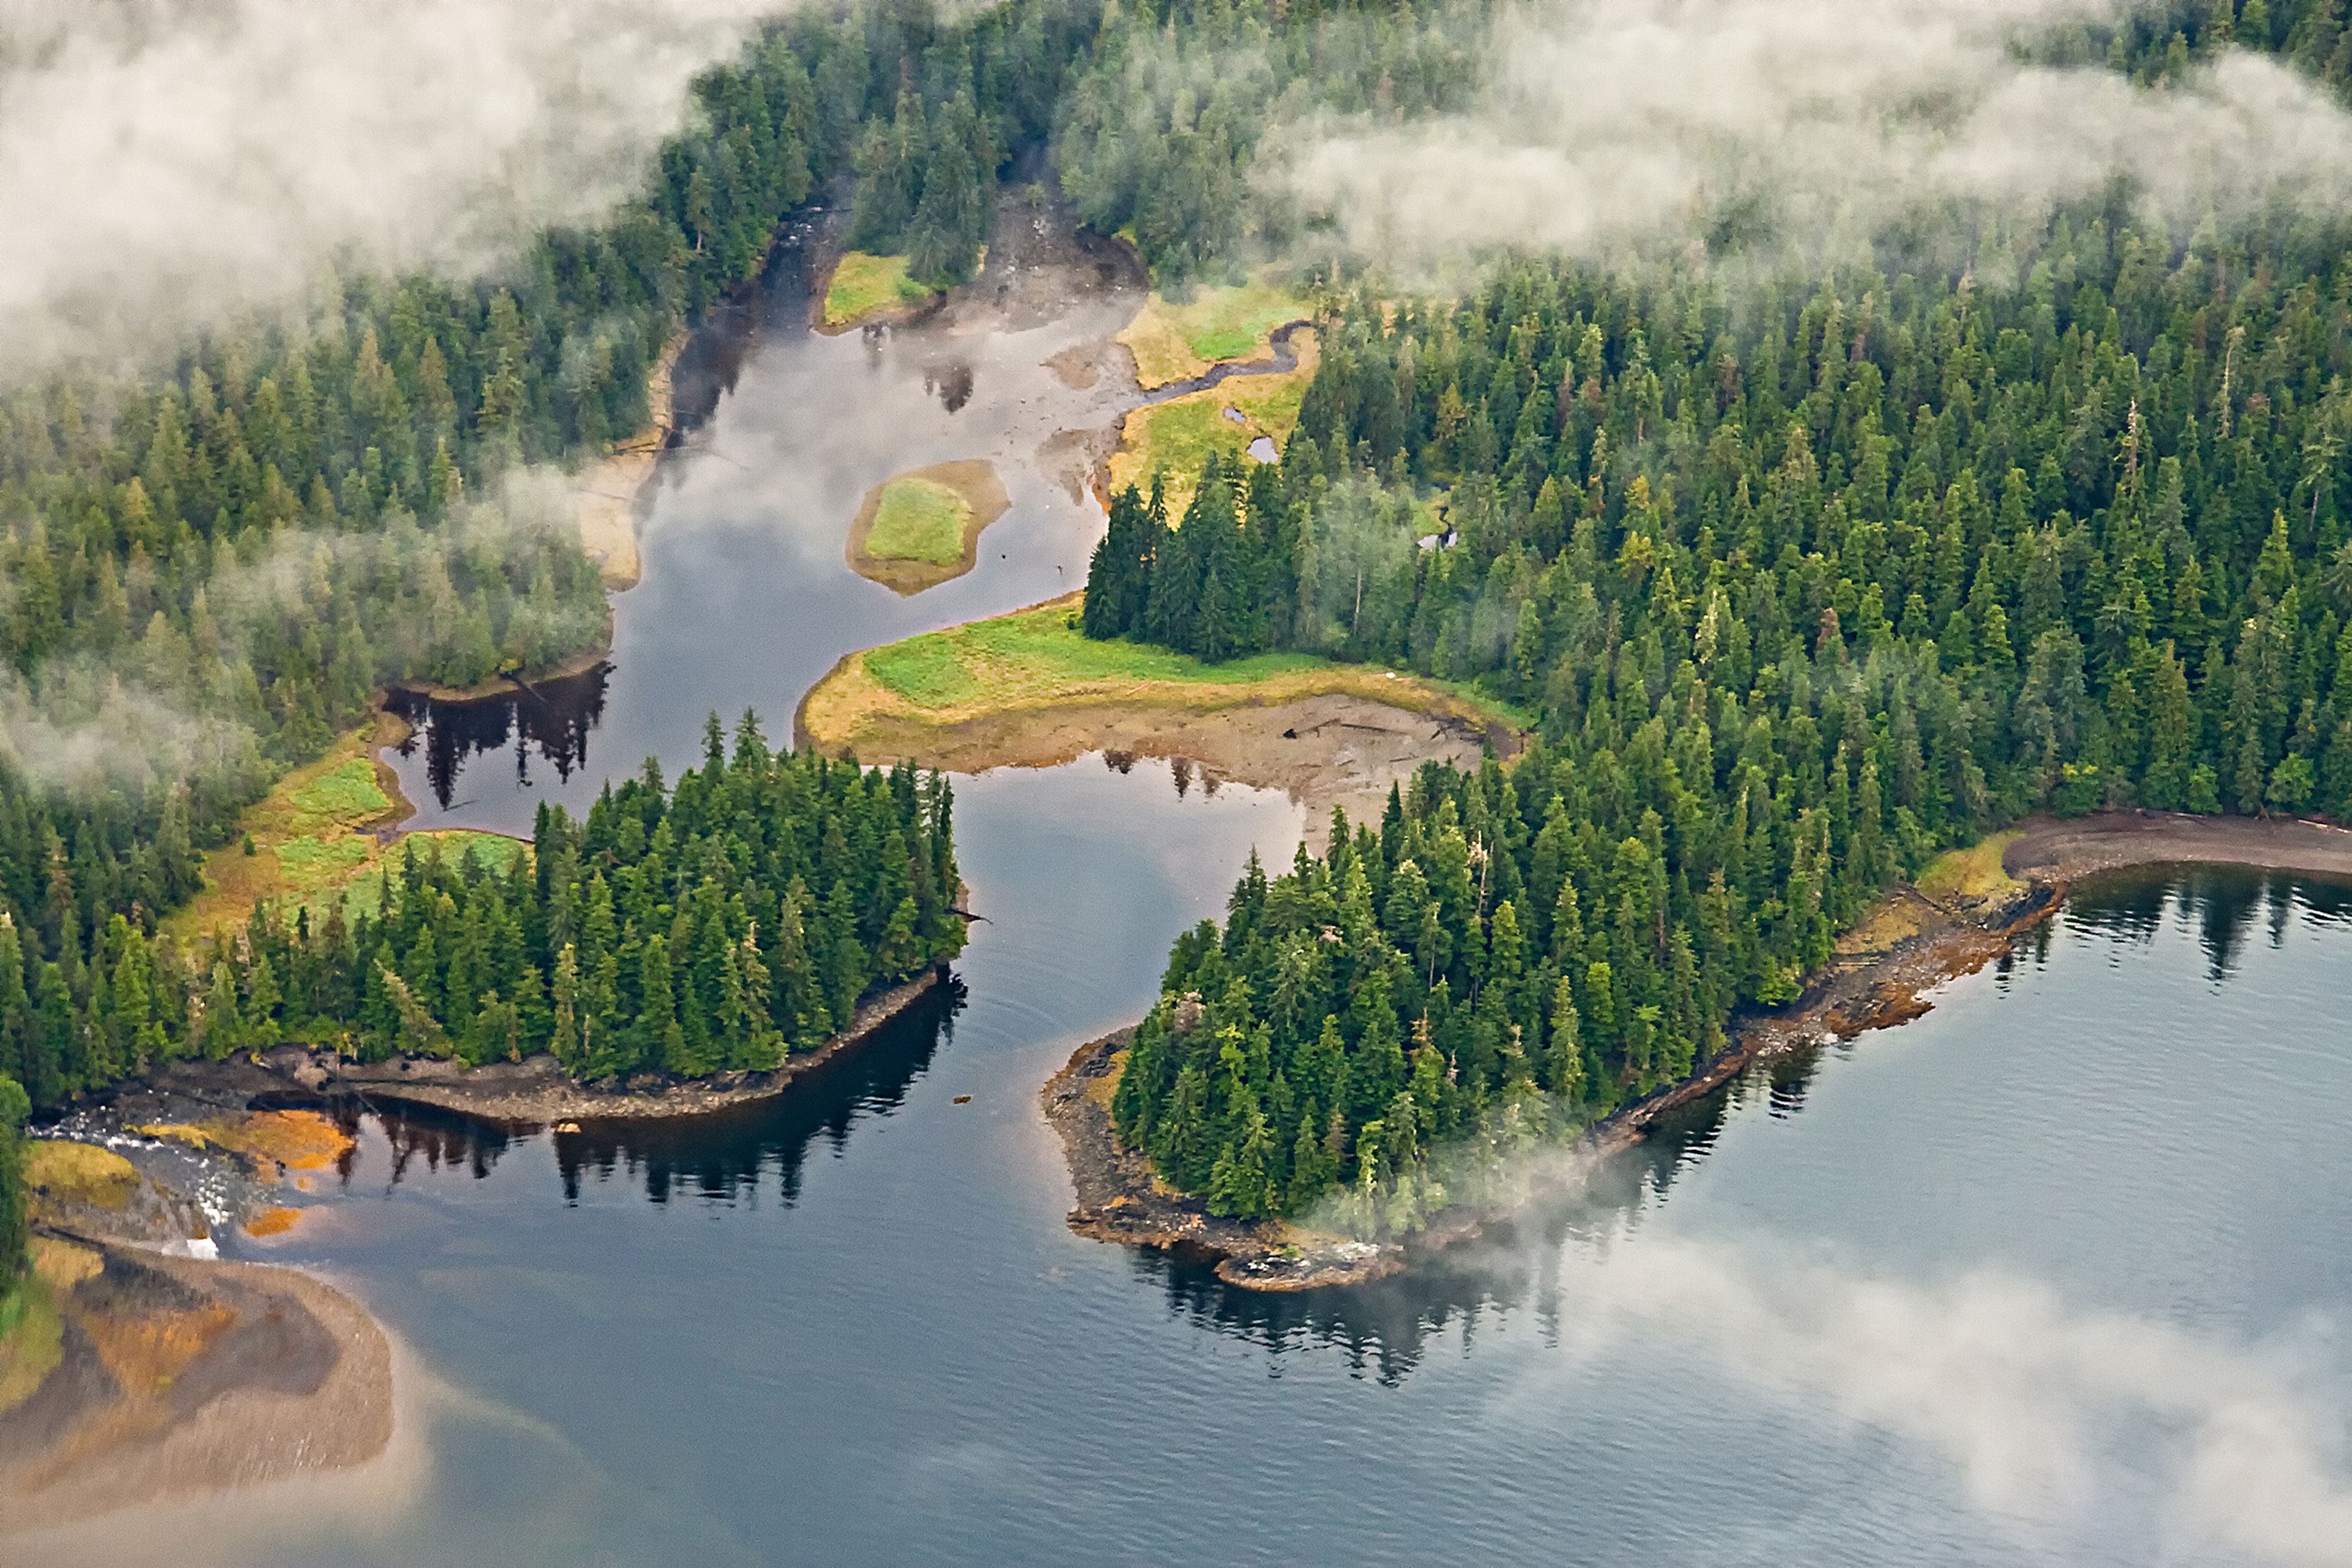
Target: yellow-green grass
[(917, 530), (918, 519), (1175, 343), (1036, 659), (364, 888), (310, 846), (80, 1173), (32, 1339), (1176, 437), (1972, 875), (864, 285)]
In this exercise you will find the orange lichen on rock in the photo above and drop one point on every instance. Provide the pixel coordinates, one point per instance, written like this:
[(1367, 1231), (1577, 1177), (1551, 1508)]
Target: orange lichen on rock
[(272, 1222), (291, 1140)]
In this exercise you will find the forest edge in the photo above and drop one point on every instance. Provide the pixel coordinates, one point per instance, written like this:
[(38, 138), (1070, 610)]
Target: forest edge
[(1926, 942)]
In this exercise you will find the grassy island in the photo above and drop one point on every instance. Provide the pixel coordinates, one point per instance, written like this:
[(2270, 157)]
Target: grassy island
[(864, 289), (922, 527)]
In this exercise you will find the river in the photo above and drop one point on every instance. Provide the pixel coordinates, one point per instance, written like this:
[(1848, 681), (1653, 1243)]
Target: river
[(2045, 1276)]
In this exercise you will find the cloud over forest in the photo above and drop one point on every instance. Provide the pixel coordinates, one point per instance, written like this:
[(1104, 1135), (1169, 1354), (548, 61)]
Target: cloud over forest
[(165, 161), (1796, 122)]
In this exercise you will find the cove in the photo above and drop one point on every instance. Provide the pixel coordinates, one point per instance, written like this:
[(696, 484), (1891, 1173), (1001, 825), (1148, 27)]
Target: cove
[(852, 1326)]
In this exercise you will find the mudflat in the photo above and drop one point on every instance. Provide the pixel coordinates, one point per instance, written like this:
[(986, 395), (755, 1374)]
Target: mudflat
[(177, 1375)]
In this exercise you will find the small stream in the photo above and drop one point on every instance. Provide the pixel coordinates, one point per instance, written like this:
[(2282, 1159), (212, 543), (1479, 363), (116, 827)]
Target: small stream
[(1986, 1288)]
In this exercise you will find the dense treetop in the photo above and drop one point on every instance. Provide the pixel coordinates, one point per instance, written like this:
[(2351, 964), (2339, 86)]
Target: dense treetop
[(713, 926), (1808, 579)]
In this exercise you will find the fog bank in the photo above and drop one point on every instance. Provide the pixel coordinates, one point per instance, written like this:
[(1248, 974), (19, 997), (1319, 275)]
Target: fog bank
[(1805, 123), (163, 162)]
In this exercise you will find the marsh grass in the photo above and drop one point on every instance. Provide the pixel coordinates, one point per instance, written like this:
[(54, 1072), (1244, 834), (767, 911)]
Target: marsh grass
[(919, 519), (1036, 656), (1177, 436), (1174, 341), (1972, 875), (311, 846), (1035, 660)]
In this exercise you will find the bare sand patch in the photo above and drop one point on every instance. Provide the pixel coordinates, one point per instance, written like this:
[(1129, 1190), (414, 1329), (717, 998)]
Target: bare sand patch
[(607, 491)]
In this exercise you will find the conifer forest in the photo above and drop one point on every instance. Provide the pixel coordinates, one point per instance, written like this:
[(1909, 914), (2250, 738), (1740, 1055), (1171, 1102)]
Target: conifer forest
[(1800, 568)]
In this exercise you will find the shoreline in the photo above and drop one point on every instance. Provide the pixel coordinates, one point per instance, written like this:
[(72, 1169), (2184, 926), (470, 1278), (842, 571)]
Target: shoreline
[(535, 1089), (607, 492), (1327, 734), (579, 663), (1907, 945), (181, 1376)]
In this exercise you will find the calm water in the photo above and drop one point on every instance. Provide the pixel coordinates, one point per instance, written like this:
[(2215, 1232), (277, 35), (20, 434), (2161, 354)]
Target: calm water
[(2050, 1275)]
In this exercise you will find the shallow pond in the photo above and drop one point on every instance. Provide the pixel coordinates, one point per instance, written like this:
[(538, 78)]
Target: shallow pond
[(2046, 1276)]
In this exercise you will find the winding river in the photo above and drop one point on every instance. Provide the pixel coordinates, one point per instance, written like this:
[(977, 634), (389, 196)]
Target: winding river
[(2045, 1276)]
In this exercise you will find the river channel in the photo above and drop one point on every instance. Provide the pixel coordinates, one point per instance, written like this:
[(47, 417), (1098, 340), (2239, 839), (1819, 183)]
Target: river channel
[(2052, 1274)]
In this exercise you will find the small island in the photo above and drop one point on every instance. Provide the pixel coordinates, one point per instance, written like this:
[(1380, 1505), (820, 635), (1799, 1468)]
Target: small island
[(863, 290), (922, 527)]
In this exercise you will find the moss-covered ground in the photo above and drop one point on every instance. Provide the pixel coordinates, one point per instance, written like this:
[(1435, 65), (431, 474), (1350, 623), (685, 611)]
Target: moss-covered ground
[(863, 285)]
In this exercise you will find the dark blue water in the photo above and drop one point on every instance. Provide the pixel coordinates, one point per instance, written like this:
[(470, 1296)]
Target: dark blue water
[(2051, 1275)]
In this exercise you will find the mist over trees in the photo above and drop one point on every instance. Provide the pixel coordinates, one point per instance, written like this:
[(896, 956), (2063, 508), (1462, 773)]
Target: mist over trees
[(1806, 578), (208, 576), (1808, 574)]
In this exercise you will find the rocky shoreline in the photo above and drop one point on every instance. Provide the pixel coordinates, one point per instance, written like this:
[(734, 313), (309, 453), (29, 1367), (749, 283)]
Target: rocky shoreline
[(535, 1089), (1909, 944)]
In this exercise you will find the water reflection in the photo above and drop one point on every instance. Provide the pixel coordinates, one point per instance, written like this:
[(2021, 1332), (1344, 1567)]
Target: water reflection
[(2223, 904), (1383, 1332), (549, 719), (951, 383), (725, 1157)]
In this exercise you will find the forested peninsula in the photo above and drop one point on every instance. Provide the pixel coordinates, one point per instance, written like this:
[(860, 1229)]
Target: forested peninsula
[(216, 570), (1808, 587)]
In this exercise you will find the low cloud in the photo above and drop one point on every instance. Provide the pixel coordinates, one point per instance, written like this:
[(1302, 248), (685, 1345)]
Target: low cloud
[(163, 162), (2024, 1393), (1801, 123), (154, 711)]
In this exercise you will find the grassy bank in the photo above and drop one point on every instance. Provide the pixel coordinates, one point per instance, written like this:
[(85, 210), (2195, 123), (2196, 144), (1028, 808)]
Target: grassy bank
[(1035, 660), (314, 840), (1176, 437), (864, 287), (920, 528), (1175, 343)]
